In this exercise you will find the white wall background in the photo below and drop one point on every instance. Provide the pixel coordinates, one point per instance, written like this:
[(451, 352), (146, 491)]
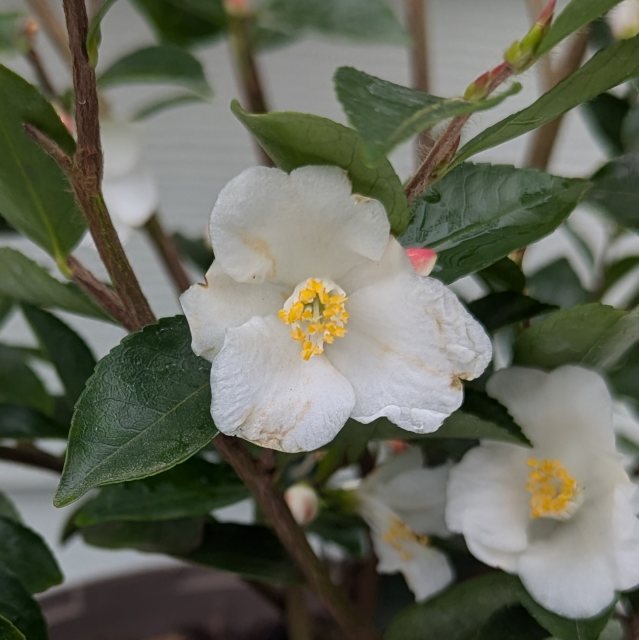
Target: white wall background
[(195, 150)]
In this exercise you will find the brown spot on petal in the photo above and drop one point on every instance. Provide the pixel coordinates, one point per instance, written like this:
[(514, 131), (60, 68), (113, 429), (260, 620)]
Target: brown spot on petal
[(456, 382)]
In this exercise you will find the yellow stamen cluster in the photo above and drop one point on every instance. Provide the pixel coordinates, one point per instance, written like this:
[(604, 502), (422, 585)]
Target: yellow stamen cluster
[(398, 534), (316, 314), (553, 491)]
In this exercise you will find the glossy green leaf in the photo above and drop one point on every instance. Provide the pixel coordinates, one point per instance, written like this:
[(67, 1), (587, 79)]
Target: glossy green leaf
[(145, 409), (179, 21), (386, 114), (503, 275), (34, 194), (25, 423), (167, 536), (25, 554), (371, 20), (166, 64), (23, 280), (606, 114), (512, 623), (64, 348), (94, 35), (615, 189), (606, 69), (595, 335), (251, 551), (13, 40), (558, 284), (479, 213), (193, 488), (163, 104), (19, 608), (297, 139), (498, 310), (8, 631), (564, 628), (576, 15), (8, 509), (458, 612), (19, 384)]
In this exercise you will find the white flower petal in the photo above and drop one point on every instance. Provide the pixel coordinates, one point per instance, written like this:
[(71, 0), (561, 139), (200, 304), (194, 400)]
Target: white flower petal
[(625, 526), (131, 198), (409, 343), (264, 392), (556, 410), (267, 225), (487, 501), (220, 303), (121, 146)]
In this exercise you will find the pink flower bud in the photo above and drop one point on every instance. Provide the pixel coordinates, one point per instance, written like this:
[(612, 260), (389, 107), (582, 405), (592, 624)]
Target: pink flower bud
[(423, 260), (303, 502)]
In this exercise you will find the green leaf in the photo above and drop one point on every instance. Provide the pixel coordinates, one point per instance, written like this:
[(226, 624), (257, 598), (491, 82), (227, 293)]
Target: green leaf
[(19, 384), (297, 139), (606, 114), (606, 69), (558, 284), (23, 280), (618, 270), (479, 213), (8, 509), (503, 275), (145, 409), (168, 102), (615, 189), (193, 488), (25, 423), (8, 631), (166, 536), (18, 607), (167, 64), (13, 40), (512, 623), (576, 14), (94, 35), (196, 250), (25, 554), (6, 307), (178, 21), (64, 348), (249, 550), (630, 130), (458, 612), (595, 335), (564, 628), (386, 114), (35, 196), (498, 310), (370, 20)]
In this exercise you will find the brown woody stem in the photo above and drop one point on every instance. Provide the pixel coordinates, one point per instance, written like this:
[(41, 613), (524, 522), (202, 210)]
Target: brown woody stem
[(32, 457), (168, 253), (86, 173), (293, 538)]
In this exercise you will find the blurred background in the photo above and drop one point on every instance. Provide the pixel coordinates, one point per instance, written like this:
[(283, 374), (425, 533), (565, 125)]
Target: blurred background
[(195, 149)]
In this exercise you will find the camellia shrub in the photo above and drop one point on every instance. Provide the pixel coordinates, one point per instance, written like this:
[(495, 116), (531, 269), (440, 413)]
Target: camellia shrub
[(423, 465)]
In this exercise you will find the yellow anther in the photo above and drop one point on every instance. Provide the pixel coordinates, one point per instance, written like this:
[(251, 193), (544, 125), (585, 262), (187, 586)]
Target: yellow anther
[(554, 493), (399, 535), (317, 315)]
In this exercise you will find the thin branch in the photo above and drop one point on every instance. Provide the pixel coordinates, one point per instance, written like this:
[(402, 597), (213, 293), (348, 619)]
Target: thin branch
[(61, 157), (298, 620), (86, 175), (32, 457), (293, 539), (168, 253), (544, 138), (416, 23), (52, 26), (35, 60)]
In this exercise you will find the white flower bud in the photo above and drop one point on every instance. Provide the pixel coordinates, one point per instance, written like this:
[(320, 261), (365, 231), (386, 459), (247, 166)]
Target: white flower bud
[(303, 502), (624, 19)]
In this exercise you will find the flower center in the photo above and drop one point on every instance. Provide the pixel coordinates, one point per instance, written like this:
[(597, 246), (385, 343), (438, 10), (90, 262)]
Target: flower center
[(399, 534), (317, 314), (554, 493)]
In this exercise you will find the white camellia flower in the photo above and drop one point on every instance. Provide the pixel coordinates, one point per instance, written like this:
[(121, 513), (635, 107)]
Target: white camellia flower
[(403, 503), (624, 19), (560, 515), (311, 314), (130, 191)]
